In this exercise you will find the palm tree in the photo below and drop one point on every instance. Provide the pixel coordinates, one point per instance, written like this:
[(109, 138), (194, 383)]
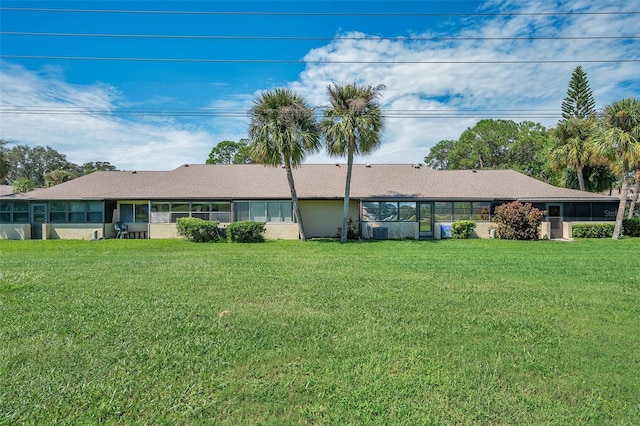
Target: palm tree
[(618, 141), (283, 130), (352, 125), (571, 148)]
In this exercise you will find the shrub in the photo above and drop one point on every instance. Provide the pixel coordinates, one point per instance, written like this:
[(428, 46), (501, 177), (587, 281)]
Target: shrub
[(631, 227), (592, 230), (463, 229), (352, 230), (517, 221), (199, 231), (246, 232)]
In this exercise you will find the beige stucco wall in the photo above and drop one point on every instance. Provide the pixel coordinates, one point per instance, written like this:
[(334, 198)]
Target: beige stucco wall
[(163, 230), (71, 231), (322, 219), (15, 231), (281, 231)]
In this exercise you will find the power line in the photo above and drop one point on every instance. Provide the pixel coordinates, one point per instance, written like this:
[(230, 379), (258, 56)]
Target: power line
[(319, 14), (209, 112), (302, 61), (306, 38)]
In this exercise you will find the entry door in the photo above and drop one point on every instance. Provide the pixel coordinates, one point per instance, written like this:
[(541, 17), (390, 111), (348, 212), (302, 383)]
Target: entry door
[(555, 219), (38, 217), (425, 211)]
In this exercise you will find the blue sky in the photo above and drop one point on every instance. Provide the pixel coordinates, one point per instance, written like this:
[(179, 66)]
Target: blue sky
[(445, 65)]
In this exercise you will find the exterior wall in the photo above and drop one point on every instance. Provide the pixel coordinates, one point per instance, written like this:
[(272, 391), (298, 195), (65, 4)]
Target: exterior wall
[(163, 230), (396, 230), (545, 230), (15, 231), (281, 231), (71, 231), (323, 218)]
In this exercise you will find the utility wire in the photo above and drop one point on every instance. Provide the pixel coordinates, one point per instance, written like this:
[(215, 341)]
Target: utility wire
[(303, 61), (208, 112), (320, 14), (306, 38)]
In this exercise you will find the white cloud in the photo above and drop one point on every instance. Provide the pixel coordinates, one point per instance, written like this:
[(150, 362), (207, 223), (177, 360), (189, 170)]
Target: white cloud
[(85, 136)]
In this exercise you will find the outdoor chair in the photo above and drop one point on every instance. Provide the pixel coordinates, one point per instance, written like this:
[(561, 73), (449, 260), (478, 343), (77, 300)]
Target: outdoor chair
[(122, 229)]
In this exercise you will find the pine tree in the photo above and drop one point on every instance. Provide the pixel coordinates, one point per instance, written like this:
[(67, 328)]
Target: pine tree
[(579, 102)]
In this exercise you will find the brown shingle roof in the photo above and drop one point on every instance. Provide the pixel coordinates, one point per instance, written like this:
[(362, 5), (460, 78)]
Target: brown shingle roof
[(6, 190), (313, 181)]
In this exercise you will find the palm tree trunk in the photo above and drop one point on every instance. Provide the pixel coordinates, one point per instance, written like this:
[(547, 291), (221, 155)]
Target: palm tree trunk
[(580, 177), (294, 199), (636, 190), (347, 190), (623, 203)]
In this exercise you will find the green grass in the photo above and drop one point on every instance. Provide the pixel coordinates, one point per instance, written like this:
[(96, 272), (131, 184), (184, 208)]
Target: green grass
[(394, 332)]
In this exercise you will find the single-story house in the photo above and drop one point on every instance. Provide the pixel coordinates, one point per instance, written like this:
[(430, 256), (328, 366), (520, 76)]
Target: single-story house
[(387, 201)]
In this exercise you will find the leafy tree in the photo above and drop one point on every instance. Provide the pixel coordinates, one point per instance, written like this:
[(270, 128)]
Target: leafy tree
[(438, 157), (597, 178), (636, 191), (23, 185), (579, 102), (231, 152), (283, 130), (484, 146), (571, 148), (527, 153), (618, 141), (352, 125), (34, 163), (96, 166), (57, 177), (5, 166), (517, 221)]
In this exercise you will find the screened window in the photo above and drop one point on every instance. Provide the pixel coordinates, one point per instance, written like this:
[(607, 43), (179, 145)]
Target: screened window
[(462, 210), (442, 211), (134, 213), (76, 212), (264, 211), (171, 211), (407, 211), (446, 211), (389, 211), (481, 210), (14, 212)]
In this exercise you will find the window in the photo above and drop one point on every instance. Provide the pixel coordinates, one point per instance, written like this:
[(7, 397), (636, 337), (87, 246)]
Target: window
[(14, 212), (389, 211), (481, 210), (76, 212), (264, 211), (134, 213), (407, 211), (370, 211), (221, 212), (462, 210), (171, 211), (442, 211)]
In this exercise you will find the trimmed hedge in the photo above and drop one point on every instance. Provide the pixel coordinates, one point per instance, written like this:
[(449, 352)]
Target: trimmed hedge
[(631, 227), (463, 229), (592, 230), (199, 230), (246, 232)]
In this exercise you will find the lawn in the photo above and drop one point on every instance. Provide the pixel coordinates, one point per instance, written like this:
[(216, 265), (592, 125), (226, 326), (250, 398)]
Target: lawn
[(393, 332)]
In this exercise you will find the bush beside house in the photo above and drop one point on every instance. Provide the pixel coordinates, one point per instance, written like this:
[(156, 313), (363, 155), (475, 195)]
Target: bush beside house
[(463, 229), (517, 221)]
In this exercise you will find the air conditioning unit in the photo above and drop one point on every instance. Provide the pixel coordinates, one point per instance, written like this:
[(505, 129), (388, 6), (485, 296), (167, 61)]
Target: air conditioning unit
[(380, 233)]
